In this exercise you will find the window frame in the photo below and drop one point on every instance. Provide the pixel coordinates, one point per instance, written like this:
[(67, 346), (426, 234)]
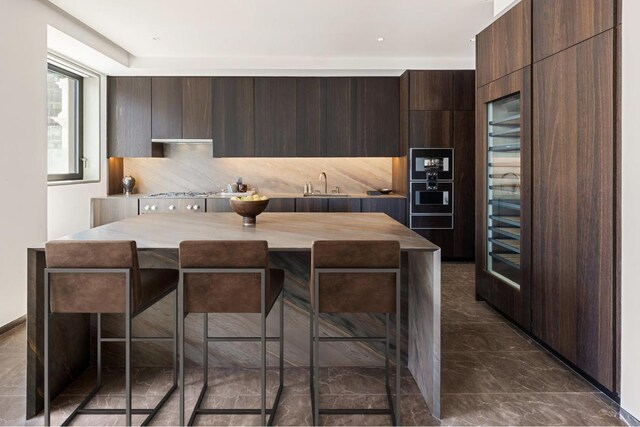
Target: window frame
[(79, 140)]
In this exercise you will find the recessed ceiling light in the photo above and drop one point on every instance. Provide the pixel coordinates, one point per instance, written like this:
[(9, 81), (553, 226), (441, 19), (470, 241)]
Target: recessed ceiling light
[(380, 39), (472, 40), (155, 38)]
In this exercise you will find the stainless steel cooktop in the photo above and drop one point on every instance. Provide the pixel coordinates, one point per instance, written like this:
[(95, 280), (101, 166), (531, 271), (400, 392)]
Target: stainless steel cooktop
[(185, 194)]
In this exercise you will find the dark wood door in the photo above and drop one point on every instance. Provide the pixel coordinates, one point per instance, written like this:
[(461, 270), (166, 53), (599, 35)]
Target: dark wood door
[(129, 118), (312, 204), (431, 90), (166, 107), (342, 131), (464, 174), (378, 109), (395, 207), (281, 205), (197, 106), (233, 115), (513, 302), (505, 46), (311, 117), (431, 129), (345, 204), (464, 90), (574, 199), (275, 117), (558, 25)]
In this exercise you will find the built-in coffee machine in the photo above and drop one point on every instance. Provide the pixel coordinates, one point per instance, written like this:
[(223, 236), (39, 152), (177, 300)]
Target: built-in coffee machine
[(431, 188)]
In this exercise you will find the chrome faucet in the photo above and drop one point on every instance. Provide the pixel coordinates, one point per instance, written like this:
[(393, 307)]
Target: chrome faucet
[(323, 175)]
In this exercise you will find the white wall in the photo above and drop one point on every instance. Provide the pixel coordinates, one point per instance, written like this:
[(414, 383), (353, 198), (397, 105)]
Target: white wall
[(630, 386)]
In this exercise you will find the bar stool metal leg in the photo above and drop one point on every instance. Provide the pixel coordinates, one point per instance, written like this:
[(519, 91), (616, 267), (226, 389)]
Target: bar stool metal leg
[(181, 355), (316, 353), (47, 397), (398, 410)]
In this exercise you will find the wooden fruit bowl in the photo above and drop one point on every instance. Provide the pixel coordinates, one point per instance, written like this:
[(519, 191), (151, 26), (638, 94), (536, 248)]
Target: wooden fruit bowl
[(249, 210)]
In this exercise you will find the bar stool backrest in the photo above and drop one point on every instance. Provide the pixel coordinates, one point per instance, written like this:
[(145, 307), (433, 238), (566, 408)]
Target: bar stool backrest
[(96, 292), (237, 292), (350, 292)]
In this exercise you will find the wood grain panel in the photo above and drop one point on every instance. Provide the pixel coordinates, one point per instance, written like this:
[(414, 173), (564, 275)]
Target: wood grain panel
[(129, 118), (378, 108), (218, 205), (464, 90), (344, 205), (166, 107), (275, 117), (396, 208), (115, 173), (404, 113), (431, 129), (341, 117), (504, 46), (574, 195), (281, 205), (233, 114), (558, 25), (431, 90), (311, 204), (311, 117), (197, 107), (106, 210), (464, 170)]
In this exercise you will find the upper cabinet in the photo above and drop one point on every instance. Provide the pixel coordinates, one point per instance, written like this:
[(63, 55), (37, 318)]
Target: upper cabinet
[(311, 117), (341, 117), (562, 24), (233, 115), (275, 117), (464, 90), (505, 46), (197, 107), (129, 118), (431, 90), (378, 109)]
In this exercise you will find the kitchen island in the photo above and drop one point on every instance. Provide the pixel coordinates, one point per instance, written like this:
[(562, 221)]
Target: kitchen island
[(290, 237)]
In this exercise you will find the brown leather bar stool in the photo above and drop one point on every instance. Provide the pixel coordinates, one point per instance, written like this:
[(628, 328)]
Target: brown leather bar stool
[(103, 277), (229, 277), (355, 277)]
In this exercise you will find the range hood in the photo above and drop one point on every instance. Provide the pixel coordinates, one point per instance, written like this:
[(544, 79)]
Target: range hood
[(182, 141)]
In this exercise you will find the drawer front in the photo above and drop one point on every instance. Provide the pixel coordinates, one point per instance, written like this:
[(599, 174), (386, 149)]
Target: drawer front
[(153, 205)]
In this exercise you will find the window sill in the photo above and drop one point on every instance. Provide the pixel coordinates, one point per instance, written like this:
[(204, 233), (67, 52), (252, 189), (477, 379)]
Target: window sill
[(72, 182)]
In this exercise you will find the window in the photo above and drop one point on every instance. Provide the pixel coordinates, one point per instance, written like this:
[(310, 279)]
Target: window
[(64, 125)]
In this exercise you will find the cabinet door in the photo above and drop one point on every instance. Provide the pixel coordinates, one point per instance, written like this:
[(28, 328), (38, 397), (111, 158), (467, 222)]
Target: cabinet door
[(110, 209), (346, 204), (281, 205), (311, 204), (431, 129), (311, 117), (396, 208), (197, 100), (431, 90), (574, 198), (464, 180), (505, 46), (378, 117), (129, 118), (166, 107), (219, 205), (558, 25), (464, 90), (275, 117), (342, 130), (233, 117)]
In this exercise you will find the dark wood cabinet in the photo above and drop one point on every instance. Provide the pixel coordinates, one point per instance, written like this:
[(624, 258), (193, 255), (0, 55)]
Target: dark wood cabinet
[(345, 204), (275, 117), (558, 25), (513, 299), (281, 205), (505, 46), (574, 199), (431, 90), (431, 129), (378, 110), (396, 208), (465, 184), (197, 106), (233, 117), (129, 118), (311, 117), (166, 107), (312, 204), (464, 90), (219, 205), (342, 131)]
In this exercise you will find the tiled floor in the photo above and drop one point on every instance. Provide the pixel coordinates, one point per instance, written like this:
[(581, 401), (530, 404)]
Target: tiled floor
[(492, 374)]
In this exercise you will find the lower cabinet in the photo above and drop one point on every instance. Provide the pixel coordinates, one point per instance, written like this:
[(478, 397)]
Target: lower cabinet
[(312, 205), (218, 205), (106, 210), (396, 208), (344, 205), (281, 205)]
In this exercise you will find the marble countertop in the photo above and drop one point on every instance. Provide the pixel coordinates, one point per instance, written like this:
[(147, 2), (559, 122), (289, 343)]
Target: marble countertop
[(284, 231), (268, 194)]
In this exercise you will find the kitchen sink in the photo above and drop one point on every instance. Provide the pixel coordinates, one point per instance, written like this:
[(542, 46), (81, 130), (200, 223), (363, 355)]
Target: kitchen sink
[(325, 195)]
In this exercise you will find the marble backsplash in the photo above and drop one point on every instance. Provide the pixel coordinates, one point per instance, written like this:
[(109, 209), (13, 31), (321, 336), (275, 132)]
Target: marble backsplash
[(191, 168)]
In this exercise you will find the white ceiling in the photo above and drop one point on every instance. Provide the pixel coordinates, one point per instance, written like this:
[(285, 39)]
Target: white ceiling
[(299, 34)]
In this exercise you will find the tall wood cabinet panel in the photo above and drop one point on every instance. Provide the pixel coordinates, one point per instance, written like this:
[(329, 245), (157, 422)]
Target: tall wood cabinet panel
[(465, 184), (464, 90), (504, 46), (197, 105), (129, 118), (342, 122), (378, 109), (431, 129), (311, 117), (514, 302), (574, 198), (431, 90), (233, 115), (558, 25), (166, 107), (275, 117)]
